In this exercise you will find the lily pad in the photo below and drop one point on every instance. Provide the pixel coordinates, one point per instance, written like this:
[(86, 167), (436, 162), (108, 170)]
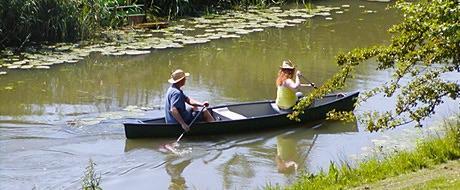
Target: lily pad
[(243, 31), (20, 62), (230, 36), (296, 21), (346, 6), (369, 11), (201, 26), (13, 66), (136, 52), (323, 14), (160, 46), (214, 37), (307, 16), (71, 61), (145, 35), (26, 66), (119, 53), (3, 72), (175, 45), (328, 18), (42, 67), (382, 1), (177, 35)]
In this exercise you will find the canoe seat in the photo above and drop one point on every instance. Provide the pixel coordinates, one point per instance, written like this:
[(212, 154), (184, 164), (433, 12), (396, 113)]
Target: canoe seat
[(228, 113)]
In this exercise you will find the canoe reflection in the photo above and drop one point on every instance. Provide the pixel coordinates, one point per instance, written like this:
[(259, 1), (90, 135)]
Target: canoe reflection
[(174, 168), (292, 148), (238, 157)]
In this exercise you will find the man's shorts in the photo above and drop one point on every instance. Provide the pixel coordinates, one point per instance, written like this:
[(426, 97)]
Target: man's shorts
[(192, 115)]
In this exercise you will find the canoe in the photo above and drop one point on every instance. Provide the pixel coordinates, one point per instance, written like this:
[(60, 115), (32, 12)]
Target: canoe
[(242, 118)]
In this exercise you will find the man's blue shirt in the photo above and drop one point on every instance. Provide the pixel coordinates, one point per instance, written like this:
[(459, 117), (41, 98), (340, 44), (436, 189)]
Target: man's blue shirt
[(176, 98)]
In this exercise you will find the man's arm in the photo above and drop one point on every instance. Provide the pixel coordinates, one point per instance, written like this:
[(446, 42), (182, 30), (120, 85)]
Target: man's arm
[(194, 102), (179, 118)]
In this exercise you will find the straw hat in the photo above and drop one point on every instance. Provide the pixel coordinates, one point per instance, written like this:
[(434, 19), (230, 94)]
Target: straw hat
[(287, 65), (177, 75)]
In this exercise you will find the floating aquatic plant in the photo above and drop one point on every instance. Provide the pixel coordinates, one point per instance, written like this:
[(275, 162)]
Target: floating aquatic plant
[(231, 24)]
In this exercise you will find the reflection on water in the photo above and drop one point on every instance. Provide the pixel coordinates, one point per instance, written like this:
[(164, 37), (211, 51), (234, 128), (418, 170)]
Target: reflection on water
[(239, 159), (287, 155), (175, 169)]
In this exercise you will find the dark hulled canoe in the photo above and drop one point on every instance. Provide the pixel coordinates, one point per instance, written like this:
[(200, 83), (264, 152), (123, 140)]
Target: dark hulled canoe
[(242, 117)]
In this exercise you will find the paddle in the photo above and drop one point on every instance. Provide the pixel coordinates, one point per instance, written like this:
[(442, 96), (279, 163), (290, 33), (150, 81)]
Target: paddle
[(171, 147), (312, 84), (191, 123)]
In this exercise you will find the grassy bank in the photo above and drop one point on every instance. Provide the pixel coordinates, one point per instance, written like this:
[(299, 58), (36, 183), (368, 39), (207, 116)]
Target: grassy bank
[(427, 154), (443, 176)]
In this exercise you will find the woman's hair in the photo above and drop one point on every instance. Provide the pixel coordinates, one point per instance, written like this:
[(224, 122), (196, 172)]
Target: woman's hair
[(284, 74)]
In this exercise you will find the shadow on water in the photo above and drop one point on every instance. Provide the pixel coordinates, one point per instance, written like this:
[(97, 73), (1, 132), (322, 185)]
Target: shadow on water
[(286, 150)]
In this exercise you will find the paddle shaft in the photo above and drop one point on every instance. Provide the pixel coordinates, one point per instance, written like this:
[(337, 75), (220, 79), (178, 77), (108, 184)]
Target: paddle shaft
[(312, 84), (191, 123)]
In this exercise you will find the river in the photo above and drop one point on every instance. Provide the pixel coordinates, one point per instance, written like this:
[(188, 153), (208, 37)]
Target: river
[(53, 121)]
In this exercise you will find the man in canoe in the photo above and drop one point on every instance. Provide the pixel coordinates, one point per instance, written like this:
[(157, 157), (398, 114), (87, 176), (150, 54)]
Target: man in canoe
[(175, 109), (286, 95)]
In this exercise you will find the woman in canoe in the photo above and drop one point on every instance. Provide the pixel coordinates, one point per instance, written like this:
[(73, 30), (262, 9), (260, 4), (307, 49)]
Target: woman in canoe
[(286, 95)]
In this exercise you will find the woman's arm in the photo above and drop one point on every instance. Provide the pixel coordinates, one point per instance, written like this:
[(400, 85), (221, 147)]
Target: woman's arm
[(291, 84)]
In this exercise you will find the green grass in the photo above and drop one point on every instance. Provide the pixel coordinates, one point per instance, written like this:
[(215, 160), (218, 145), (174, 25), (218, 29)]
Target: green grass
[(91, 181), (431, 152), (439, 183)]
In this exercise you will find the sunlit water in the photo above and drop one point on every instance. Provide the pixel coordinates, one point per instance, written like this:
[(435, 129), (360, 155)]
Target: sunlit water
[(52, 122)]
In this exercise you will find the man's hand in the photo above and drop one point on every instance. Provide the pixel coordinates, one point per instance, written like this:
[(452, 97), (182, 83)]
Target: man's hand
[(205, 103)]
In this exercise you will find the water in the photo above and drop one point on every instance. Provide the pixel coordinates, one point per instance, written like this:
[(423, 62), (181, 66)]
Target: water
[(53, 121)]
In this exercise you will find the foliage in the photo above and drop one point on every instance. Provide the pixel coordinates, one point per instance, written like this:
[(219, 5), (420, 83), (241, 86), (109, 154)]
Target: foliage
[(423, 47), (29, 21), (24, 22), (429, 153), (177, 8), (91, 181)]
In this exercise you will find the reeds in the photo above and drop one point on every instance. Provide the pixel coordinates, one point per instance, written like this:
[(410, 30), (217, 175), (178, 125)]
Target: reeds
[(34, 21)]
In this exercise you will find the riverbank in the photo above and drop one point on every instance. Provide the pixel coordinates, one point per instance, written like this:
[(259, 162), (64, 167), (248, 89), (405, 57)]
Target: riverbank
[(443, 176), (432, 159)]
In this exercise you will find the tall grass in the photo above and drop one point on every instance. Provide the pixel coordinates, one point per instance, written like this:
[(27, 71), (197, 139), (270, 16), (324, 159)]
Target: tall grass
[(431, 152), (91, 181), (177, 8), (30, 21)]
